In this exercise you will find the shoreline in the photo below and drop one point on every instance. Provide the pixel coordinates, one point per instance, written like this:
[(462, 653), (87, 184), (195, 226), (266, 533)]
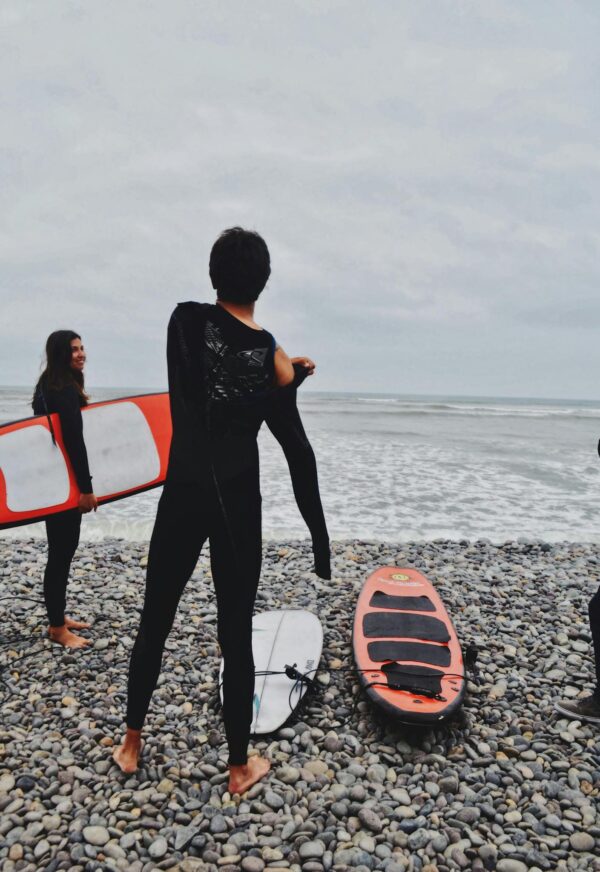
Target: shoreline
[(508, 785)]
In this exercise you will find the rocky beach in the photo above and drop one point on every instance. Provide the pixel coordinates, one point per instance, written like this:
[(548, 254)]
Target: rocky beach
[(508, 785)]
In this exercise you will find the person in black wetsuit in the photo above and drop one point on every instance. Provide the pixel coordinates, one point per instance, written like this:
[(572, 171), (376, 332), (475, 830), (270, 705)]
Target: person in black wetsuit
[(587, 708), (226, 376), (60, 388)]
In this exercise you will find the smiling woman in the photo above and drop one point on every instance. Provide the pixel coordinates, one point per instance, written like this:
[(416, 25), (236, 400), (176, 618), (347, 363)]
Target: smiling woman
[(61, 389)]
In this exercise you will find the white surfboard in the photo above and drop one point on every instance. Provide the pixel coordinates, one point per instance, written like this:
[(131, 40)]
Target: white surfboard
[(281, 638)]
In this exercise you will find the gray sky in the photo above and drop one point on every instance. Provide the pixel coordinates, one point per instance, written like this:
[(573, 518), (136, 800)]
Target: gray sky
[(426, 175)]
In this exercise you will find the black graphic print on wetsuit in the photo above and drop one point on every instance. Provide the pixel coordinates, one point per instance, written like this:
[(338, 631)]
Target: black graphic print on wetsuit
[(239, 373), (219, 371), (220, 374), (63, 529)]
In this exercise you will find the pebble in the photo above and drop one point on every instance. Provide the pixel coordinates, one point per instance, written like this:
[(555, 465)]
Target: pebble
[(253, 864), (508, 865), (582, 842), (311, 850), (370, 820), (7, 782), (158, 848), (96, 835), (507, 785)]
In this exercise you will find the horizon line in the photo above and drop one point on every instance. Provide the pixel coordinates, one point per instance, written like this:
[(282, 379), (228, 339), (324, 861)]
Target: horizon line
[(154, 389)]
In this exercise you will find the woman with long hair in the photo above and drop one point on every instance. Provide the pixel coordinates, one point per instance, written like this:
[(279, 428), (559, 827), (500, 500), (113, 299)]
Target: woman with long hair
[(61, 389)]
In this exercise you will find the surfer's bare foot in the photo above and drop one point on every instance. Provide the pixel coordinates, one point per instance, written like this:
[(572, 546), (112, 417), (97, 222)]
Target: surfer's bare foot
[(66, 638), (71, 624), (243, 777), (126, 756)]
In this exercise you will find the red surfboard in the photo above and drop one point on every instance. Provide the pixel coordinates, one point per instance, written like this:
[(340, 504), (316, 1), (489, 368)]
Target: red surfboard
[(405, 647), (127, 441)]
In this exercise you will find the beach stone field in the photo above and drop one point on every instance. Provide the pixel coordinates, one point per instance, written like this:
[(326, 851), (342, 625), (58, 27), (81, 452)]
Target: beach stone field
[(509, 785)]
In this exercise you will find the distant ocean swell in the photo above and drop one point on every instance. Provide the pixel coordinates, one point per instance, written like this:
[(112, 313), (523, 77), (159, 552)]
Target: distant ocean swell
[(402, 468)]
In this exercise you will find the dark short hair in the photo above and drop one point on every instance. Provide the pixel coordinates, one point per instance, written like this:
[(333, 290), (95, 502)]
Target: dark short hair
[(239, 265)]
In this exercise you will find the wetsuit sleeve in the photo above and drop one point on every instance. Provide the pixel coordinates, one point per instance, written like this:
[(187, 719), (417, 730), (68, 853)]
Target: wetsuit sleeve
[(66, 403), (284, 422), (184, 363)]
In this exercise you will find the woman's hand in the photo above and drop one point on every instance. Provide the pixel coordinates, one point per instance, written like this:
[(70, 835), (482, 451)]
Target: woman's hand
[(306, 362), (87, 503)]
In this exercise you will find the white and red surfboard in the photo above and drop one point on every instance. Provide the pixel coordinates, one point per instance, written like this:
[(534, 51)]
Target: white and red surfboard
[(127, 442), (406, 649)]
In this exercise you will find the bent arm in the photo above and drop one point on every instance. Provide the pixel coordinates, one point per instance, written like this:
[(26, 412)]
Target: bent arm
[(71, 424), (284, 370)]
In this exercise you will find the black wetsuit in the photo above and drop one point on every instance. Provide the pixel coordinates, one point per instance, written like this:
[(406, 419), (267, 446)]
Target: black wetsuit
[(594, 612), (63, 528), (221, 375)]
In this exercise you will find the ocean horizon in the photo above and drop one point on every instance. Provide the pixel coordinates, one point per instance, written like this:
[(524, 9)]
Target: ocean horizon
[(399, 467)]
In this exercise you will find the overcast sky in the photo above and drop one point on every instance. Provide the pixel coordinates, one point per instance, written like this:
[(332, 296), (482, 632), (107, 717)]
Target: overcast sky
[(426, 175)]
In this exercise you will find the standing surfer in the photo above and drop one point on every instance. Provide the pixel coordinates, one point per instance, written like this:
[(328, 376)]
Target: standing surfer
[(588, 707), (223, 368), (61, 389)]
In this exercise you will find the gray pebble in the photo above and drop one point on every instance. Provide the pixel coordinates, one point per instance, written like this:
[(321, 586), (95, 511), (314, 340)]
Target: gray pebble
[(370, 820), (582, 842), (96, 835), (158, 848)]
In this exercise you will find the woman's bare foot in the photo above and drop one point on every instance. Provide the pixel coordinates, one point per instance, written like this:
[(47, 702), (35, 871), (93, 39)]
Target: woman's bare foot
[(126, 756), (70, 624), (65, 637), (243, 777)]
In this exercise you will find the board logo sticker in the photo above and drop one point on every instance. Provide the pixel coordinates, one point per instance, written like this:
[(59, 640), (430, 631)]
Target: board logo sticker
[(403, 579)]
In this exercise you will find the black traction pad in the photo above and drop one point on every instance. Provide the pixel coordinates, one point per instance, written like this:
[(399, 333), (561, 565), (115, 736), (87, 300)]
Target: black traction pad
[(381, 600), (415, 679), (402, 625), (436, 655)]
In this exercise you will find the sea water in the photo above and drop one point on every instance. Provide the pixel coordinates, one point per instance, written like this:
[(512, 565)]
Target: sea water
[(403, 468)]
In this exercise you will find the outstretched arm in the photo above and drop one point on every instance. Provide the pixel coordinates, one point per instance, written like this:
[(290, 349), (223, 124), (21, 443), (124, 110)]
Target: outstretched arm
[(283, 420)]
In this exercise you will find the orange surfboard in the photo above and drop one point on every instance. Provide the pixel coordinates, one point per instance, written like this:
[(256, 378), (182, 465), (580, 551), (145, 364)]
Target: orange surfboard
[(408, 656), (127, 442)]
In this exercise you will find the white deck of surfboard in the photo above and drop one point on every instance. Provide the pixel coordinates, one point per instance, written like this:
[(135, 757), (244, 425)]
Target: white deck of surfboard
[(122, 455), (279, 639)]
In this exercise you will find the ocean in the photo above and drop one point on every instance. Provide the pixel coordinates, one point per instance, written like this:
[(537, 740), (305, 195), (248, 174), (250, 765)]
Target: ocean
[(398, 468)]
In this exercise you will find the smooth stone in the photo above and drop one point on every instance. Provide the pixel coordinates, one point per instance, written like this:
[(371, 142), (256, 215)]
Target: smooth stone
[(468, 815), (218, 824), (370, 820), (7, 783), (158, 848), (41, 848), (582, 842), (317, 767), (253, 864), (509, 865), (288, 774), (273, 800), (311, 850), (96, 835), (418, 839)]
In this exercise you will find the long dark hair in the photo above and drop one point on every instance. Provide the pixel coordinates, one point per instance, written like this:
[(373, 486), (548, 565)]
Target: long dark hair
[(58, 373)]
